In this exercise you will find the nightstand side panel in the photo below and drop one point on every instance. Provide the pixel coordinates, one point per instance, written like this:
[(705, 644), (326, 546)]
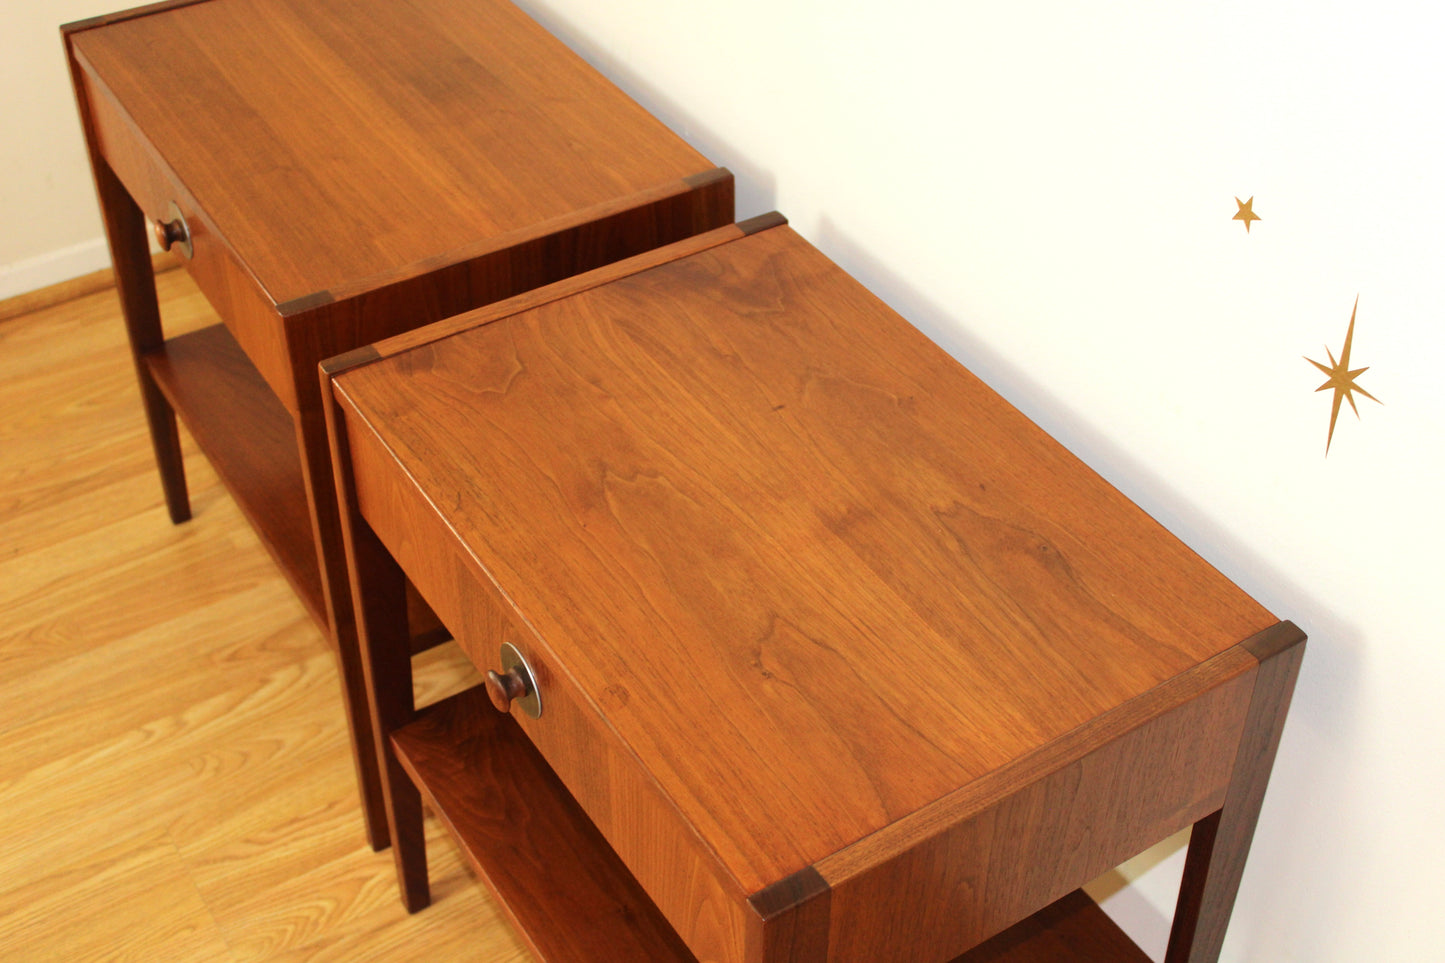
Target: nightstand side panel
[(1042, 831)]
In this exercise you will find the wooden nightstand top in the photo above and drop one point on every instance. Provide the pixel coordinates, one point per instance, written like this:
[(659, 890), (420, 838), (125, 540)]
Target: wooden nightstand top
[(813, 574), (332, 142)]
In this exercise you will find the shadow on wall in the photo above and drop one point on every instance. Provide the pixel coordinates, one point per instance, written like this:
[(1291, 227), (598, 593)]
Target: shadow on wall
[(1304, 806), (1146, 922)]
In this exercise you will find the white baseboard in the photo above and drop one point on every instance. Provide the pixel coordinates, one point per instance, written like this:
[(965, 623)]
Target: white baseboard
[(43, 270)]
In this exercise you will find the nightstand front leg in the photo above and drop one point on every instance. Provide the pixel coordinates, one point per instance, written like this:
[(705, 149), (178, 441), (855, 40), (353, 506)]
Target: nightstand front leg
[(379, 588), (1220, 842), (382, 636), (320, 473), (125, 228)]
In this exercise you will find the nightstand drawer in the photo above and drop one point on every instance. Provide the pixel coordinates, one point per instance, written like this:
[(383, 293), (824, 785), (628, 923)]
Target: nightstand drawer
[(156, 189), (134, 159), (572, 734)]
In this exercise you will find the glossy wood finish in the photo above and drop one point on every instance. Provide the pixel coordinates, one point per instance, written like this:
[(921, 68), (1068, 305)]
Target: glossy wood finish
[(768, 390), (880, 667), (477, 124), (394, 164)]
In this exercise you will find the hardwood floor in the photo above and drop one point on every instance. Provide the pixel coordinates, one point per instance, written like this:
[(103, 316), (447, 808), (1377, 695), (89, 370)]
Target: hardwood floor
[(175, 782)]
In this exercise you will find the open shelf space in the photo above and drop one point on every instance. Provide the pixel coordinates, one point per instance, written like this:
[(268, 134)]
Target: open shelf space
[(565, 889), (250, 440), (1071, 930)]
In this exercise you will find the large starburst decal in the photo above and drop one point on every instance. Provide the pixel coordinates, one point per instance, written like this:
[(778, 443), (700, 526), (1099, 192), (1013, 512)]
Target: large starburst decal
[(1342, 378)]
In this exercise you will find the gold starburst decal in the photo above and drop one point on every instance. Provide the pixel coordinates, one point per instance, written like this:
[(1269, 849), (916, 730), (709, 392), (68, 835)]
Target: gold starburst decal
[(1246, 212), (1342, 379)]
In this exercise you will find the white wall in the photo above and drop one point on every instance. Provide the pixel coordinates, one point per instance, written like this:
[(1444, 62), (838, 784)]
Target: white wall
[(1048, 188), (51, 225)]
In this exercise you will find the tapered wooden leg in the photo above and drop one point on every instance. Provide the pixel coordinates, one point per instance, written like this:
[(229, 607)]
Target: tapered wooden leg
[(1220, 842), (125, 229), (317, 470), (378, 591)]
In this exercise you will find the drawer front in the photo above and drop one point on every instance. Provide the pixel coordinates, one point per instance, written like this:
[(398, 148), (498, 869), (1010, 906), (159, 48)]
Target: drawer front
[(247, 311), (709, 912)]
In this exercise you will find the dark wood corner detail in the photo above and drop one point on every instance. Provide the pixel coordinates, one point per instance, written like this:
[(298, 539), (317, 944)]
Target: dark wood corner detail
[(309, 302), (795, 914), (1272, 641), (761, 223), (354, 358), (786, 894), (703, 178)]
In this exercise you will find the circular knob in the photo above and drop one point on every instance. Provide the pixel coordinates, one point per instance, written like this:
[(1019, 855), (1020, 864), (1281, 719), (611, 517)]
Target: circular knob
[(173, 231), (515, 683), (169, 233), (502, 689)]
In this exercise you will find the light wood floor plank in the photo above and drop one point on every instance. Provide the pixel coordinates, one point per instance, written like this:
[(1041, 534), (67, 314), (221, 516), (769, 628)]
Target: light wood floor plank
[(465, 927), (133, 901), (175, 780), (69, 702)]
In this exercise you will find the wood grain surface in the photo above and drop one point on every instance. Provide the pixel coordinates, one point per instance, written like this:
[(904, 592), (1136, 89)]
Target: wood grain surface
[(175, 783), (1010, 844), (478, 123), (818, 575)]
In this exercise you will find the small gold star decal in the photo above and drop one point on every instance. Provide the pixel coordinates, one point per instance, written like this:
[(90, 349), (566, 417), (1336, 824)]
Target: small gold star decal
[(1342, 379), (1246, 212)]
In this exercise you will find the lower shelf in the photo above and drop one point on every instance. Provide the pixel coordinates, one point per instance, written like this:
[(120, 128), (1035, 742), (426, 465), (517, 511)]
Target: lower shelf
[(568, 894), (250, 439)]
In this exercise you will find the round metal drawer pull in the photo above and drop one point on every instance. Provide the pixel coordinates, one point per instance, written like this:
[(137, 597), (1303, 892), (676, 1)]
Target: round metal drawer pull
[(515, 683), (174, 231)]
